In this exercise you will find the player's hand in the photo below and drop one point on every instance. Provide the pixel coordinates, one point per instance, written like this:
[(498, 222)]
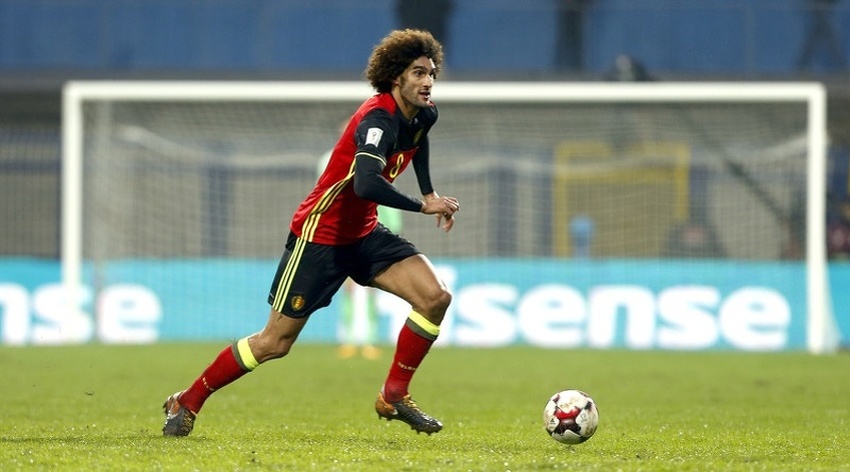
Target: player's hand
[(444, 208)]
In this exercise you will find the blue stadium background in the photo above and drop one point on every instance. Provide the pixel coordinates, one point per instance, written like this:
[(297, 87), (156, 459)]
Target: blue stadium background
[(692, 37)]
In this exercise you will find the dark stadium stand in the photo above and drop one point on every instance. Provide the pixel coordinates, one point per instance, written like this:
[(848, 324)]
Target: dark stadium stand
[(744, 37)]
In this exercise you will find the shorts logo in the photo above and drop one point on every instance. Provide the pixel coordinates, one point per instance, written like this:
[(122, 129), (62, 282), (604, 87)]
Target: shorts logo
[(297, 302), (373, 136)]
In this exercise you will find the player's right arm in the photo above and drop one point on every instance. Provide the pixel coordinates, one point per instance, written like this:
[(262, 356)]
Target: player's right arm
[(369, 184), (375, 137), (443, 207)]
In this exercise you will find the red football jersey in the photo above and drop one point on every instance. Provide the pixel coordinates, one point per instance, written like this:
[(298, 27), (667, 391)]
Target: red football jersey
[(332, 213)]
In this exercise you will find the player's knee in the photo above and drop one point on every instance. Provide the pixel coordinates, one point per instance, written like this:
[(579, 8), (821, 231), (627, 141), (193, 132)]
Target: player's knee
[(279, 350), (438, 302), (444, 300), (276, 352), (271, 348)]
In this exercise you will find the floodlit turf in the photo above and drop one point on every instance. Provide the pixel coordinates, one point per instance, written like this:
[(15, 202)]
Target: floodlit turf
[(99, 408)]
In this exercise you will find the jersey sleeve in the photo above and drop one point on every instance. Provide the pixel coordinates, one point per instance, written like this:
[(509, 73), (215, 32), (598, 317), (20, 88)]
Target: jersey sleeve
[(375, 137), (422, 166), (422, 162)]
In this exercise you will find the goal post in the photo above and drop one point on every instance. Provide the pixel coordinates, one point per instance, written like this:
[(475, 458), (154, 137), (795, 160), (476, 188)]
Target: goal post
[(159, 173)]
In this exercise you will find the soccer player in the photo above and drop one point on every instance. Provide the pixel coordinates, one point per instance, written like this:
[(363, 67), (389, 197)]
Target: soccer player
[(357, 327), (335, 234)]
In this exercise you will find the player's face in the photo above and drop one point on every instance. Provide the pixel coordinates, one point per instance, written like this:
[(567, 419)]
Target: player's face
[(413, 86)]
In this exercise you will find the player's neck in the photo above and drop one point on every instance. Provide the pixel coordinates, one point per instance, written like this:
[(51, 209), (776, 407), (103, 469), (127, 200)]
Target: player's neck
[(408, 110)]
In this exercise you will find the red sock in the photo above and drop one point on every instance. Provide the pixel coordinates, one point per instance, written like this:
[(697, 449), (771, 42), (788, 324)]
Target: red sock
[(224, 370), (411, 348)]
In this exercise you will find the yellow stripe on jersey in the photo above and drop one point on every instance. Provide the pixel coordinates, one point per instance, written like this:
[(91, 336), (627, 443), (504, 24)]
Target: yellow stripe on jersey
[(285, 282), (373, 156), (312, 222)]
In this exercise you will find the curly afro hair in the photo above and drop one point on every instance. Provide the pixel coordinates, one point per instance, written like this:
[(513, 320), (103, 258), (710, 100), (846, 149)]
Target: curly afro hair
[(396, 52)]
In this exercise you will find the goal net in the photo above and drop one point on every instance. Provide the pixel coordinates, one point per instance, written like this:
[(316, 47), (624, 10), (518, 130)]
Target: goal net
[(704, 200)]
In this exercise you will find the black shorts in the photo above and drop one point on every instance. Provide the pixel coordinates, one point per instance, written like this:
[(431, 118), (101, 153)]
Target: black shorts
[(309, 274)]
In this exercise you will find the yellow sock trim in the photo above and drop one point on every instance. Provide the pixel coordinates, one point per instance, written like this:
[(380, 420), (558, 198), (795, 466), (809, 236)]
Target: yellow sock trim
[(423, 323), (245, 353)]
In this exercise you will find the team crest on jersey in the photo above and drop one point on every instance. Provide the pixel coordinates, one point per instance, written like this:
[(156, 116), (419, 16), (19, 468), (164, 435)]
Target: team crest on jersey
[(297, 302), (373, 136)]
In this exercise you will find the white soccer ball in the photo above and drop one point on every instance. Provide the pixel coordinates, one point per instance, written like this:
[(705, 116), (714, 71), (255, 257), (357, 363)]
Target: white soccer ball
[(570, 417)]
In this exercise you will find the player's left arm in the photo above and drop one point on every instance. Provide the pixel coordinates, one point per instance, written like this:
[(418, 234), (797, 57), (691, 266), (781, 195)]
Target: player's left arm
[(443, 208)]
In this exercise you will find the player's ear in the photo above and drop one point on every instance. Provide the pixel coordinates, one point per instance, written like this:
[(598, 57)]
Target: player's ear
[(397, 80)]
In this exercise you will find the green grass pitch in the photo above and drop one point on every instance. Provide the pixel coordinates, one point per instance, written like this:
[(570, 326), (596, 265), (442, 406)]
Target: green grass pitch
[(96, 407)]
